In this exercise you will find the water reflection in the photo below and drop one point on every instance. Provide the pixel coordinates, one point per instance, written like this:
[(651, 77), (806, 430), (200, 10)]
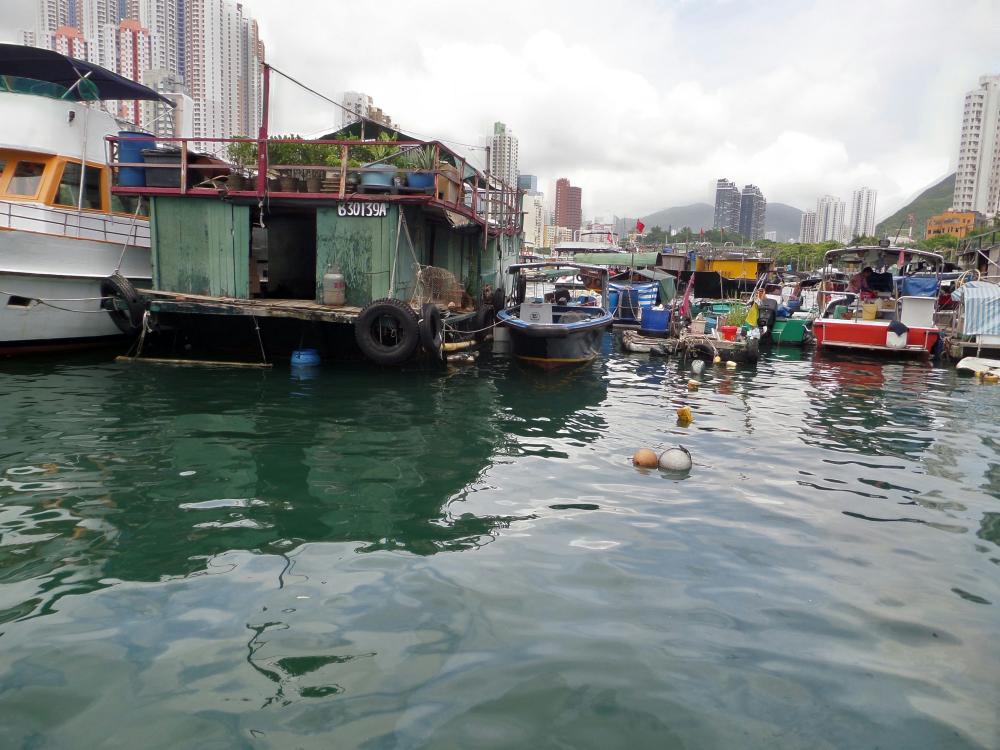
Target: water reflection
[(868, 407), (158, 471)]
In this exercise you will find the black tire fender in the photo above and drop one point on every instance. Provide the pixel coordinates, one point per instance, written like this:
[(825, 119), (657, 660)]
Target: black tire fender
[(485, 318), (117, 289), (520, 289), (387, 331), (499, 299), (431, 331)]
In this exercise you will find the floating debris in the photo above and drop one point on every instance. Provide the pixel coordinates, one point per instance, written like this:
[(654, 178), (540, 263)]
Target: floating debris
[(676, 459), (685, 416), (693, 384)]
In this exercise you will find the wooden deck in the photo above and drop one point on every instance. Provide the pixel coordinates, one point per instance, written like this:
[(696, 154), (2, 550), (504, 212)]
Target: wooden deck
[(298, 309)]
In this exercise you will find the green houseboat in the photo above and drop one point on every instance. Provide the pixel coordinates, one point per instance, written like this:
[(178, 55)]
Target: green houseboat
[(365, 239)]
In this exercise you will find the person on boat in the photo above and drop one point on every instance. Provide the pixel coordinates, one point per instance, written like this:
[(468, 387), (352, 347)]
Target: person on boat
[(859, 284)]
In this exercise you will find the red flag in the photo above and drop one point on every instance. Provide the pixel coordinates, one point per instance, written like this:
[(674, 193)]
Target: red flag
[(686, 303), (611, 239), (639, 226)]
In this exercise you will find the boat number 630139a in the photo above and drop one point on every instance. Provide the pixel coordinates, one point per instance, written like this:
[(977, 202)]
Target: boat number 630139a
[(362, 209)]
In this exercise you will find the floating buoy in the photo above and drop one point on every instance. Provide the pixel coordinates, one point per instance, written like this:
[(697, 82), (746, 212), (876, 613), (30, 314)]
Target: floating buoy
[(677, 458), (990, 377), (692, 385), (646, 458), (730, 365), (717, 359), (305, 357), (698, 366), (685, 415)]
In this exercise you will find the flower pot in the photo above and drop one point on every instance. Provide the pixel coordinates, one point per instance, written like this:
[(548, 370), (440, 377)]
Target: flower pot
[(420, 179), (237, 182), (314, 184), (381, 176), (288, 184), (728, 332)]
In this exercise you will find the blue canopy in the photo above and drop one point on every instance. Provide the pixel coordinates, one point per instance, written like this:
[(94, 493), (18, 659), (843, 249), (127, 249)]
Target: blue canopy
[(918, 286), (51, 67), (980, 308)]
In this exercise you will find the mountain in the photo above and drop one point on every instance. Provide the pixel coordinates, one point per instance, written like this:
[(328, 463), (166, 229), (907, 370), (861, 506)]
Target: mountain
[(933, 200), (780, 218)]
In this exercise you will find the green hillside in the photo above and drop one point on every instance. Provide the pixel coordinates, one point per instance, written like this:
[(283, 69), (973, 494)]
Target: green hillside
[(933, 200)]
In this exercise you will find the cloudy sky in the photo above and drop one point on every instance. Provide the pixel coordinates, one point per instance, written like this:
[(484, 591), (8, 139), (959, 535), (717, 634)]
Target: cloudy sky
[(645, 103)]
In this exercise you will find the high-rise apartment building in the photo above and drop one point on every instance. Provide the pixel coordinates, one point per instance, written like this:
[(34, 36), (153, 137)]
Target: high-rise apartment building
[(357, 105), (528, 183), (862, 223), (569, 205), (135, 54), (977, 176), (162, 120), (503, 154), (807, 227), (208, 49), (830, 219), (533, 208), (753, 209), (727, 206)]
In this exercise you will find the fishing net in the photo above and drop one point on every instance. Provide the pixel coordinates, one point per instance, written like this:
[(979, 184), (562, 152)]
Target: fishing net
[(439, 285)]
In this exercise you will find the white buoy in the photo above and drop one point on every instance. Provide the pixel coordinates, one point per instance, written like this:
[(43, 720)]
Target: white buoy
[(698, 366), (677, 459)]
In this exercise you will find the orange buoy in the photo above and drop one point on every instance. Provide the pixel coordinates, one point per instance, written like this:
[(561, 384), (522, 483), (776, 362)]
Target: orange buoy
[(646, 458), (685, 415)]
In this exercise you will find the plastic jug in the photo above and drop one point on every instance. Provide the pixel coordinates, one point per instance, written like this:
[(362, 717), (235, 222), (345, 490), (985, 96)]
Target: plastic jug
[(334, 288)]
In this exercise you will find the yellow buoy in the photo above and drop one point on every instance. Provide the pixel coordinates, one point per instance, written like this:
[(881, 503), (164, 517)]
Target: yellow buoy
[(685, 415), (646, 458), (990, 377), (730, 365), (717, 359), (692, 385)]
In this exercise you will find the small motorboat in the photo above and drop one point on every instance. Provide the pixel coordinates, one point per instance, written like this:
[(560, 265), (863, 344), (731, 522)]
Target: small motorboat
[(891, 314), (560, 332)]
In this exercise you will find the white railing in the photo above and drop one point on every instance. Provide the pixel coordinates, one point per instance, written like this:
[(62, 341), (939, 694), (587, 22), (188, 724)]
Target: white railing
[(33, 217)]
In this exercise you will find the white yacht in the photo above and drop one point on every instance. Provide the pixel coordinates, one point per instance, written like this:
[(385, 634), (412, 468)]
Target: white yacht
[(62, 233)]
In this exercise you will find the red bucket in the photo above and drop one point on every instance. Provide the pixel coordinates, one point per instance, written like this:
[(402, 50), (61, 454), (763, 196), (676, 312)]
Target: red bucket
[(729, 332)]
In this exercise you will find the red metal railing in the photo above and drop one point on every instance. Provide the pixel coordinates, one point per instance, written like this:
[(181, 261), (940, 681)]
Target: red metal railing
[(332, 170)]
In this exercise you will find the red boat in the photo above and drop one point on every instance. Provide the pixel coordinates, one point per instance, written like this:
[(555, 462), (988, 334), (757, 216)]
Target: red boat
[(881, 311)]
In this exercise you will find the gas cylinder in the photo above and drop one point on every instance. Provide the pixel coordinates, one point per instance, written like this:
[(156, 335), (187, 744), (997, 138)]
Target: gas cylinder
[(334, 288)]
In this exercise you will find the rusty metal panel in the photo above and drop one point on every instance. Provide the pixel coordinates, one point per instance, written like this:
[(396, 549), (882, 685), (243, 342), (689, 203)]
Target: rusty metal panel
[(200, 246)]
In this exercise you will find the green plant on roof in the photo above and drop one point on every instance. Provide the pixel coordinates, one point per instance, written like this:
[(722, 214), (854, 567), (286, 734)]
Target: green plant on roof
[(420, 159), (380, 150), (243, 154)]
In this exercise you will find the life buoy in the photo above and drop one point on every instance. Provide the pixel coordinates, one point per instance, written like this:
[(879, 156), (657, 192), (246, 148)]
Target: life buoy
[(123, 303), (431, 331), (387, 331)]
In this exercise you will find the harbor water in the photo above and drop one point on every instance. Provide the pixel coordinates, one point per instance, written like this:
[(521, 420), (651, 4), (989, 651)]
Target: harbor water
[(350, 557)]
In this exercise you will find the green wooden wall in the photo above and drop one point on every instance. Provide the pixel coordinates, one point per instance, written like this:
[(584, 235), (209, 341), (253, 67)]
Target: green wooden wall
[(200, 246)]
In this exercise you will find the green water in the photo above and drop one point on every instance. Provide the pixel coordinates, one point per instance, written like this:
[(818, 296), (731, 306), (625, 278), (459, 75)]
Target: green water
[(382, 559)]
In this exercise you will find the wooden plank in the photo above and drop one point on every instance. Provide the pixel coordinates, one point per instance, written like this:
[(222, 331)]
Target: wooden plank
[(192, 362)]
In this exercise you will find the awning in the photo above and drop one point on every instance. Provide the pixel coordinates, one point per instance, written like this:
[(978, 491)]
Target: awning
[(980, 308), (51, 67), (624, 260)]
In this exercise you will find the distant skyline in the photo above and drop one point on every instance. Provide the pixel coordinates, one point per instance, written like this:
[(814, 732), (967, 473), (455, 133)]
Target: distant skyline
[(645, 114)]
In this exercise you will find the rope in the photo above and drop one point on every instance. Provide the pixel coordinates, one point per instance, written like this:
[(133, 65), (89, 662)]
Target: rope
[(260, 341), (57, 299), (135, 215), (464, 331)]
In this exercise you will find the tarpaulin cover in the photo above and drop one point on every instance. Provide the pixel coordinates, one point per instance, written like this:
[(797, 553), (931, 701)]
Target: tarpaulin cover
[(52, 67), (980, 308), (918, 286)]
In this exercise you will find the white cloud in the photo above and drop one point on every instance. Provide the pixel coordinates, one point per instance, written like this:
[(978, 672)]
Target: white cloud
[(644, 104)]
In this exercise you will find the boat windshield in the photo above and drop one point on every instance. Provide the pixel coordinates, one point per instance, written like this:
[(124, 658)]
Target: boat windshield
[(18, 85)]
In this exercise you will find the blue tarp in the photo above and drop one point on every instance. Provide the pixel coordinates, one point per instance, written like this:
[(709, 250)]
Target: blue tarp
[(980, 308), (918, 286)]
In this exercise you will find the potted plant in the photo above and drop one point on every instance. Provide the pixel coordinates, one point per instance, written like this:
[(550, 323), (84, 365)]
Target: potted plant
[(243, 155), (422, 161), (734, 320), (378, 171), (284, 156)]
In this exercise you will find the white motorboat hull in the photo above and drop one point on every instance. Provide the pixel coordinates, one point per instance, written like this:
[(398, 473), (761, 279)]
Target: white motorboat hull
[(50, 289)]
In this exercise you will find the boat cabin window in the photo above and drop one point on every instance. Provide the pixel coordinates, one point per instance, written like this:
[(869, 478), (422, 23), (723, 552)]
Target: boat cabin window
[(68, 192), (27, 178)]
